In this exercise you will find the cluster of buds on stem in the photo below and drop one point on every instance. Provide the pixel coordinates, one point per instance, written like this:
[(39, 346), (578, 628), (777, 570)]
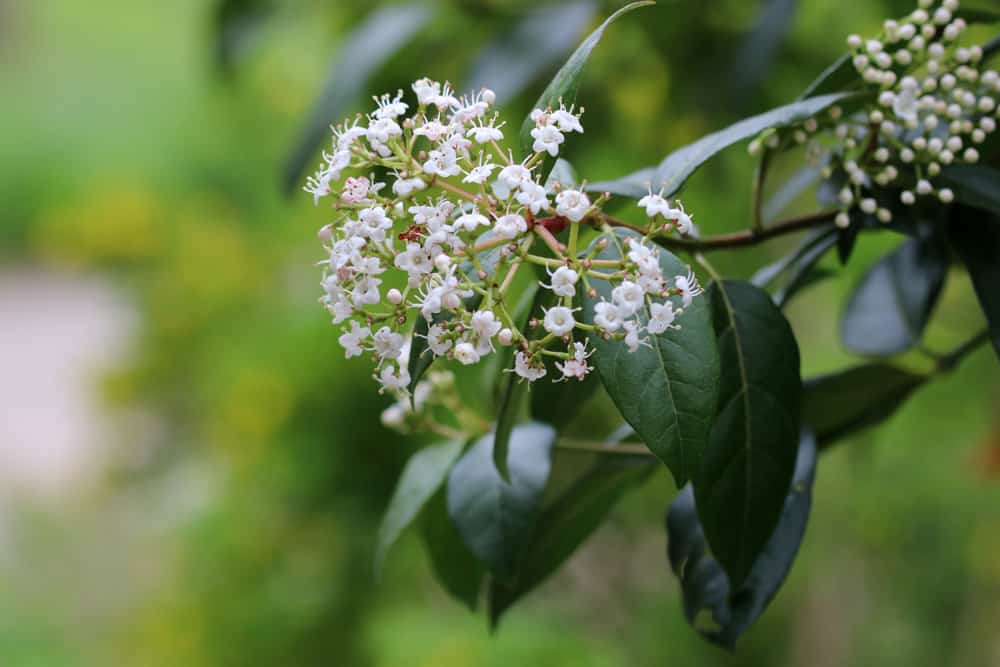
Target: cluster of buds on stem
[(444, 238), (932, 104)]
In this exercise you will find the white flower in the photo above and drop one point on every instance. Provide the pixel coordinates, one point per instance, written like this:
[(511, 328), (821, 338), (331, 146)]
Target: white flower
[(532, 196), (510, 225), (469, 221), (485, 325), (394, 379), (404, 187), (608, 316), (479, 174), (365, 292), (442, 162), (381, 130), (559, 320), (484, 134), (426, 90), (434, 130), (655, 205), (524, 367), (351, 340), (547, 139), (632, 339), (572, 204), (688, 287), (576, 366), (661, 317), (387, 344), (438, 345), (682, 221), (466, 353), (566, 120), (563, 281), (375, 221), (390, 107), (628, 296), (514, 175), (394, 416)]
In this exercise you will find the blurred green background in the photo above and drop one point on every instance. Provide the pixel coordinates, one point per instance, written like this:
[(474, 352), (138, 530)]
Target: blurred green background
[(192, 475)]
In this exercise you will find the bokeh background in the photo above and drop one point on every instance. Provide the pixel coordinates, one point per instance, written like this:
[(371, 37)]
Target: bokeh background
[(191, 474)]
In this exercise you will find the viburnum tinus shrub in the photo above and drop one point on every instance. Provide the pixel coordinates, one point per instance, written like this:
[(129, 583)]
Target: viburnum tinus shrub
[(449, 248)]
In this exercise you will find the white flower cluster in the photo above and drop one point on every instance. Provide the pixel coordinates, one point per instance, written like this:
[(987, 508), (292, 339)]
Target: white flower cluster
[(934, 104), (445, 238)]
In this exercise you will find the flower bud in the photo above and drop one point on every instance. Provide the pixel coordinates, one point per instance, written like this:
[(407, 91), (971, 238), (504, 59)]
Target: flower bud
[(506, 336), (394, 296)]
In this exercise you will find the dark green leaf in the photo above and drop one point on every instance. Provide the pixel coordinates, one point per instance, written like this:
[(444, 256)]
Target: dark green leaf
[(421, 477), (540, 39), (510, 406), (455, 567), (669, 176), (567, 80), (799, 268), (976, 15), (975, 185), (704, 584), (495, 517), (567, 523), (891, 305), (365, 50), (838, 77), (991, 48), (748, 464), (839, 404), (667, 391), (976, 237)]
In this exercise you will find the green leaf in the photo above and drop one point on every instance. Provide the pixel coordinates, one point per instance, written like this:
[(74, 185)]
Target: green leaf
[(566, 82), (539, 40), (975, 235), (890, 307), (666, 391), (671, 174), (454, 566), (790, 190), (495, 517), (704, 585), (565, 524), (421, 477), (510, 406), (975, 185), (748, 464), (839, 76), (365, 50), (799, 267), (840, 404)]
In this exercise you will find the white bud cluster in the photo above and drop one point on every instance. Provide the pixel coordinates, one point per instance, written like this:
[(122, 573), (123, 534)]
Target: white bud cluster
[(933, 105), (451, 231)]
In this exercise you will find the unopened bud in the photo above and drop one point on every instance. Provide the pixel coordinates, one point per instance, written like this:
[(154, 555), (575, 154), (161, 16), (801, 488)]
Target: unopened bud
[(442, 262), (452, 301), (602, 244), (592, 293), (325, 233), (394, 296), (489, 96), (506, 336)]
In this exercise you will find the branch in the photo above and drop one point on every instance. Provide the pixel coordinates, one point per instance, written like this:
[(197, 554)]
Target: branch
[(947, 362), (748, 237)]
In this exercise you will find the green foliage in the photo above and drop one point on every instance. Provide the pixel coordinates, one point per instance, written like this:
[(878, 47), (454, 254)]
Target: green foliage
[(494, 516), (366, 49), (669, 176), (891, 305), (754, 438), (704, 584), (565, 84), (975, 235), (837, 405), (666, 390), (423, 475)]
